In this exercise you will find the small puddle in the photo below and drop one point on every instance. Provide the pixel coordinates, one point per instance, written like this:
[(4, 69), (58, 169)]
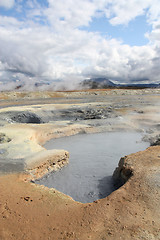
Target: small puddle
[(93, 159)]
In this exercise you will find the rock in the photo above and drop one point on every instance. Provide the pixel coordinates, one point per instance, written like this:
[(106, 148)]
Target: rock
[(26, 117), (75, 114), (154, 141), (122, 173), (4, 138)]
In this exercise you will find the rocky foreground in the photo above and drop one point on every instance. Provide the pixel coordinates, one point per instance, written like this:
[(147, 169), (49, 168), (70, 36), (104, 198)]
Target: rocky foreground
[(29, 211)]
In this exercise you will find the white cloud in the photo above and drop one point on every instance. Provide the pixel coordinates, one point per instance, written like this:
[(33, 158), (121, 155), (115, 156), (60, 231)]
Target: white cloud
[(79, 13), (153, 11), (122, 12), (8, 22), (154, 35), (7, 3), (70, 14), (58, 49)]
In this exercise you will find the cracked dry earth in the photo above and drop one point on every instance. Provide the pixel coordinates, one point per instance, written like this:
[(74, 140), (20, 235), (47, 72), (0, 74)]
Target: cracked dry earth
[(29, 211)]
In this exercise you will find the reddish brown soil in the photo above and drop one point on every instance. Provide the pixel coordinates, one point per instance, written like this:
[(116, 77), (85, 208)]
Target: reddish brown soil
[(32, 212)]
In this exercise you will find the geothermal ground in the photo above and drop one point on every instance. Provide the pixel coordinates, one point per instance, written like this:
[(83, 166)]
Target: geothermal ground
[(30, 211)]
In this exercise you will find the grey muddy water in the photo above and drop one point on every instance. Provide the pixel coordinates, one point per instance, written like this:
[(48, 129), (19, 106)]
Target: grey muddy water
[(93, 159)]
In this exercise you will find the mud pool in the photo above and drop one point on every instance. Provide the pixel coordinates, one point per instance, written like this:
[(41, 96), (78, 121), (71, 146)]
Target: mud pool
[(93, 159)]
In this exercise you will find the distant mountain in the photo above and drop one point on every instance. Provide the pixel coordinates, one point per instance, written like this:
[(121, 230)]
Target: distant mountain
[(36, 85), (40, 84), (18, 87), (93, 83), (143, 85), (96, 83), (102, 83)]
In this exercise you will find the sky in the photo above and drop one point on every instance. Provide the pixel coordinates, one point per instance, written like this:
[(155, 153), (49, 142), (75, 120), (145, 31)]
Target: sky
[(72, 40)]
